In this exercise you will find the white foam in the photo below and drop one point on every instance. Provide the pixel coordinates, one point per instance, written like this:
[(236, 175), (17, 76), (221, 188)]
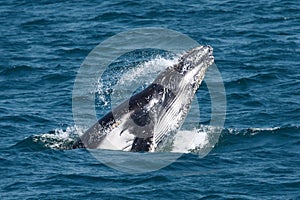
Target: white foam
[(100, 92), (59, 138), (265, 129), (185, 141), (113, 140)]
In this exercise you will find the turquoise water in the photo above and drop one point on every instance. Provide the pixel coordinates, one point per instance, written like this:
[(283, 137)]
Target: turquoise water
[(256, 49)]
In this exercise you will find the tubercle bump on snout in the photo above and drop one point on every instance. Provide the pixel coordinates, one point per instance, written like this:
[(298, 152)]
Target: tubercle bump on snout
[(194, 57)]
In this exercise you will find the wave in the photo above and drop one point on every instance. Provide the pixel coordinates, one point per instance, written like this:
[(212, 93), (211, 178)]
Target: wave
[(57, 139), (37, 22), (16, 70), (250, 80), (286, 130), (255, 139), (194, 141)]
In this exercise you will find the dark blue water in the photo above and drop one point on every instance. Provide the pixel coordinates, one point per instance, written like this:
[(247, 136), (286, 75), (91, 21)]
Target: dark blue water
[(256, 48)]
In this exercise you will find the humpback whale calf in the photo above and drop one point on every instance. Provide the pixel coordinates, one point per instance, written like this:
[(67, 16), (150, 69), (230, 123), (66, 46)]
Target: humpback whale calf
[(148, 118)]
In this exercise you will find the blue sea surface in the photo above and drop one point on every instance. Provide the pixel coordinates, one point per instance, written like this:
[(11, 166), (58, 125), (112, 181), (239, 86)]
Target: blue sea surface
[(256, 49)]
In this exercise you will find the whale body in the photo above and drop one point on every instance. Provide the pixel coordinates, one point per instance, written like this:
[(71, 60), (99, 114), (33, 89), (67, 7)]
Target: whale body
[(145, 120)]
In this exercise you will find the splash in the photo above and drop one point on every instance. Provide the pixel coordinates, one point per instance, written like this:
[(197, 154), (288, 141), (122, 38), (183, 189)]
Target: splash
[(59, 138), (147, 70), (126, 84), (189, 141), (250, 131)]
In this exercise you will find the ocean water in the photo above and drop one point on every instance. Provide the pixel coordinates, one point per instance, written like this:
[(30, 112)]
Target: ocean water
[(256, 49)]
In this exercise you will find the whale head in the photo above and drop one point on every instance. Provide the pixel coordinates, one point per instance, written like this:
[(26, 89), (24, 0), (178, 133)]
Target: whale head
[(188, 72), (180, 83), (201, 56)]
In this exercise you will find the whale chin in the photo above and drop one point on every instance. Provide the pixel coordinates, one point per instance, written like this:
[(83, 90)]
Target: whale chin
[(147, 119)]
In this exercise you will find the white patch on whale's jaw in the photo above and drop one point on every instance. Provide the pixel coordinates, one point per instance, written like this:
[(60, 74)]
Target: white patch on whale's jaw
[(118, 138), (115, 141)]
